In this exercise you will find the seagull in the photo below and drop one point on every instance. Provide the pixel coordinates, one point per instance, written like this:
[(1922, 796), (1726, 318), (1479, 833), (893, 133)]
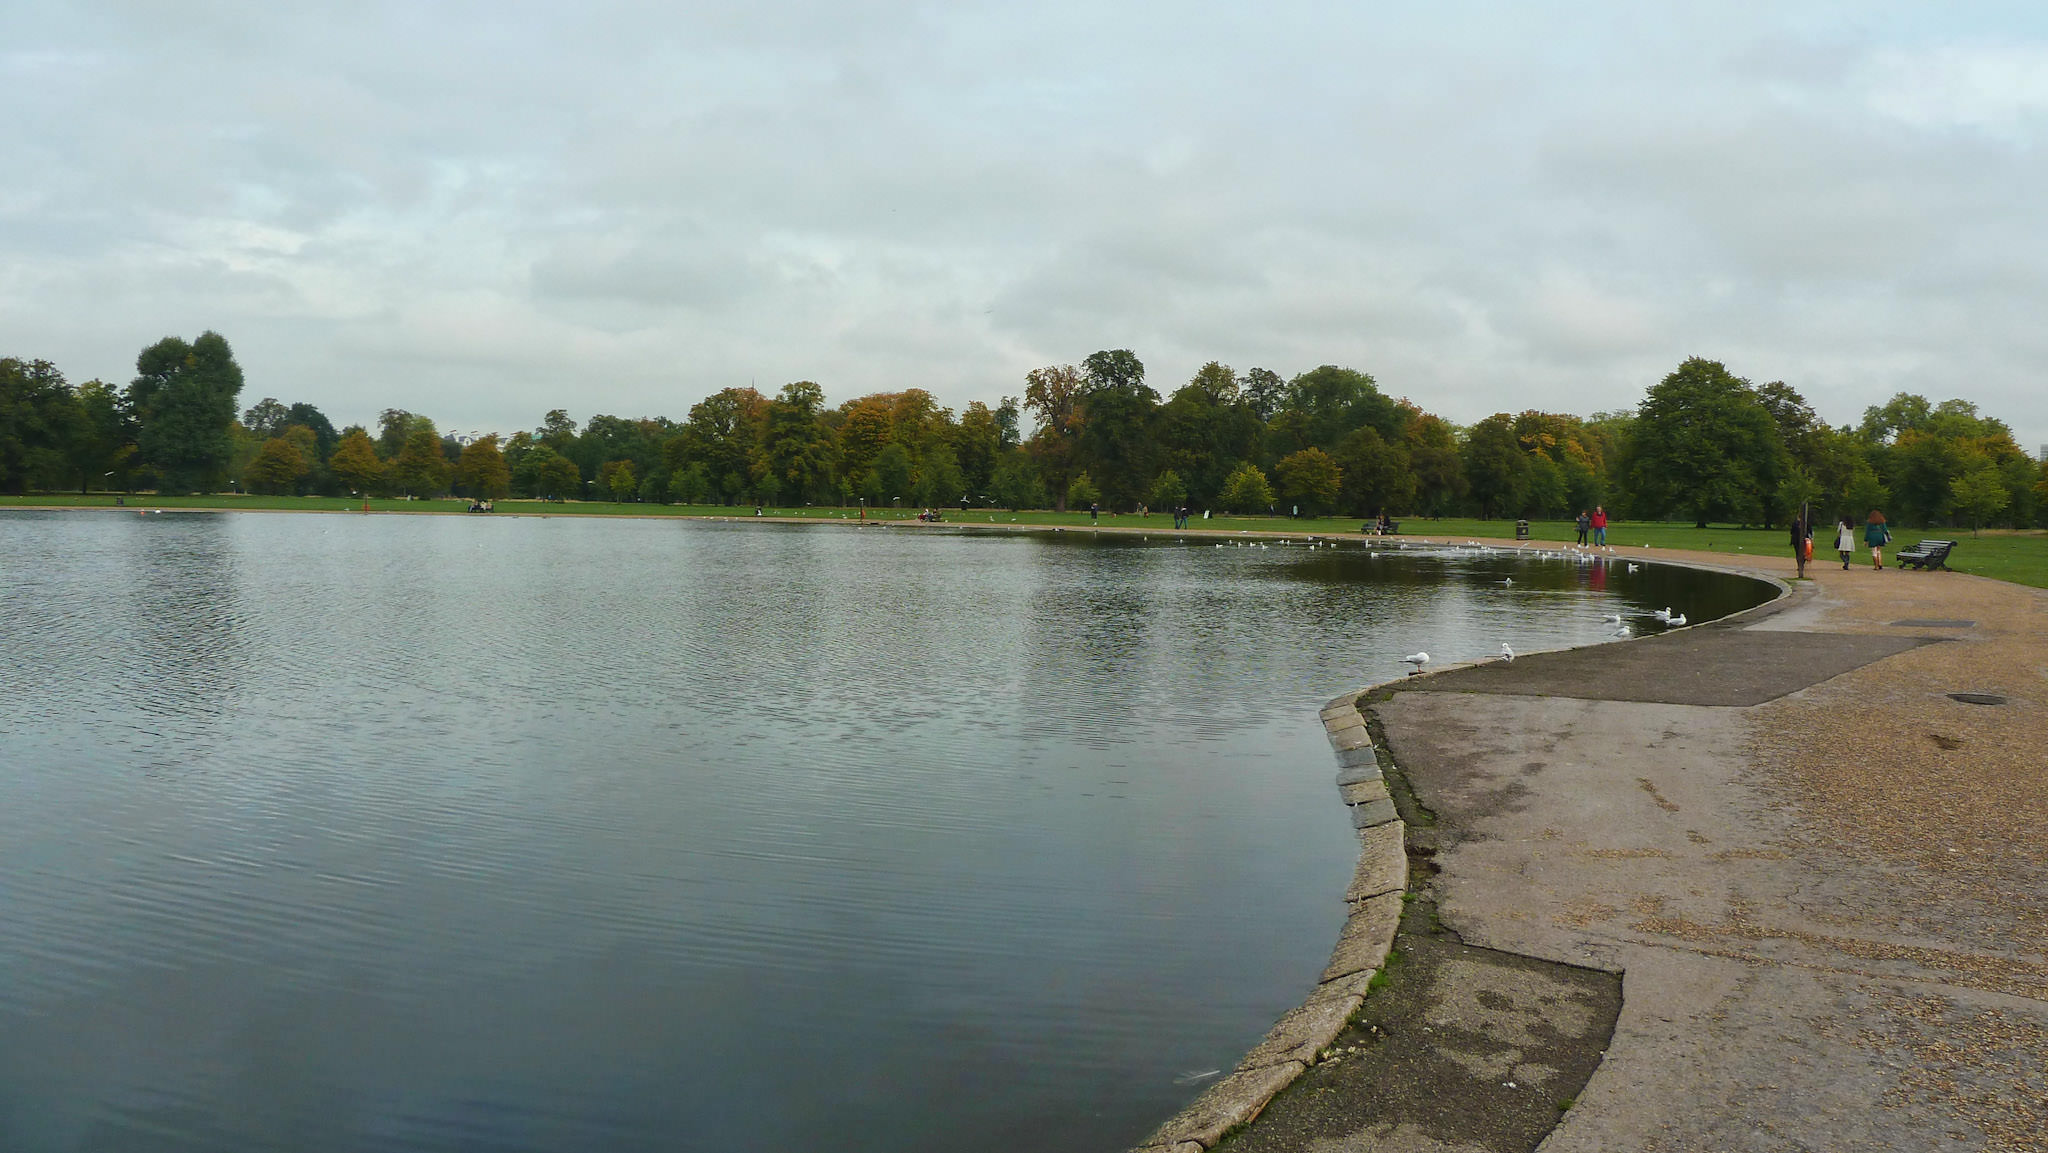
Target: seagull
[(1677, 622), (1507, 655), (1507, 580), (1662, 614), (1633, 566), (1612, 618), (1416, 659), (1622, 631)]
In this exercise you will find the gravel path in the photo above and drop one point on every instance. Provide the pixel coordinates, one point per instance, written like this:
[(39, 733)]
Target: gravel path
[(1823, 879)]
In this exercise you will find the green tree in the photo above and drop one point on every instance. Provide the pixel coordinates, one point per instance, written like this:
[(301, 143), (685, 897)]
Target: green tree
[(690, 485), (1168, 490), (1310, 479), (617, 480), (1053, 394), (796, 444), (1324, 404), (892, 476), (183, 398), (266, 418), (938, 478), (1377, 475), (277, 468), (103, 452), (1081, 490), (421, 468), (39, 417), (1262, 391), (1436, 462), (1704, 446), (977, 446), (482, 472), (1246, 490), (355, 463), (555, 477), (1016, 483), (1980, 494), (1496, 467)]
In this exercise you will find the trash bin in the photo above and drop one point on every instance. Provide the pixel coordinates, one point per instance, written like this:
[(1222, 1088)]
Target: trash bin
[(1521, 530)]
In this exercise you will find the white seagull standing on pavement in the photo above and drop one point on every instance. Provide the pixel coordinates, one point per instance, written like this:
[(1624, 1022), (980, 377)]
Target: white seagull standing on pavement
[(1416, 659), (1507, 654)]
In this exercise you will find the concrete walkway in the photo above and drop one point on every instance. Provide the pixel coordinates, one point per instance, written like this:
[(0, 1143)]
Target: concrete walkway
[(1823, 880)]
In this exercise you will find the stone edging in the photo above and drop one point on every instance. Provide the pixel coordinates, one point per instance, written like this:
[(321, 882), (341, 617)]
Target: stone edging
[(1377, 888)]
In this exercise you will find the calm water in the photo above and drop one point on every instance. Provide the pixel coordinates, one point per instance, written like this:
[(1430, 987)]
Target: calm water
[(325, 832)]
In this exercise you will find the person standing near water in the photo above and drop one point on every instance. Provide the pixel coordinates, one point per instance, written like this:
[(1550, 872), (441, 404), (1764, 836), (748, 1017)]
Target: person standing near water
[(1802, 539), (1585, 522), (1876, 534), (1599, 525), (1845, 540)]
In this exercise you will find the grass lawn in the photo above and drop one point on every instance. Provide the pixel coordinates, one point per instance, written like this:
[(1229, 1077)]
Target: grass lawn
[(2020, 557)]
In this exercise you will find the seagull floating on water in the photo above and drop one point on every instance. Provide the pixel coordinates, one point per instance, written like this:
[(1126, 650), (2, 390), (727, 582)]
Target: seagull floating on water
[(1612, 618), (1416, 659), (1676, 622), (1633, 566), (1622, 631), (1662, 614)]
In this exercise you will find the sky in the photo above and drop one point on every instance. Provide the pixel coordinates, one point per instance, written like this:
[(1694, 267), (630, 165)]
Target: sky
[(482, 211)]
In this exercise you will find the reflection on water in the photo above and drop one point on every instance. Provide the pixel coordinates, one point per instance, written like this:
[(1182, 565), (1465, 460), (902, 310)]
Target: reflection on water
[(437, 833)]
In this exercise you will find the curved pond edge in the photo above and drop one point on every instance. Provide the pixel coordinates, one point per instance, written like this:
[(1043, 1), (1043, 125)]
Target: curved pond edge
[(1378, 891)]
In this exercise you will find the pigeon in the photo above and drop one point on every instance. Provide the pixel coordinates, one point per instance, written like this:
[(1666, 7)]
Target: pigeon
[(1416, 659), (1507, 654)]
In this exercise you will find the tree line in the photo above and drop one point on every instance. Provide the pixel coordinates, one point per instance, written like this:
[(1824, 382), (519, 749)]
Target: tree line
[(1703, 445)]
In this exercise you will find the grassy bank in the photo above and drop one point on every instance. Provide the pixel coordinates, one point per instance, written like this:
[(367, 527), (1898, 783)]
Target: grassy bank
[(2020, 557)]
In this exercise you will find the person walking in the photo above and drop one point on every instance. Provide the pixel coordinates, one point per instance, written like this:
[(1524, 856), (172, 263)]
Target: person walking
[(1876, 534), (1585, 524), (1845, 540), (1599, 526), (1802, 539)]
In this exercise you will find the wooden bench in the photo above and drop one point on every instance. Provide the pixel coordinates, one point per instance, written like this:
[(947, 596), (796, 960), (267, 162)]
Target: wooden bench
[(1927, 554)]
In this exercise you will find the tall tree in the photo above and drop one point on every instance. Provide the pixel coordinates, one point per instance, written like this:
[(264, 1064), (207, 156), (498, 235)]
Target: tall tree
[(1704, 447), (796, 447), (1309, 479), (421, 468), (355, 463), (183, 398), (482, 473), (1115, 440), (1053, 394), (277, 468), (1496, 467), (38, 420)]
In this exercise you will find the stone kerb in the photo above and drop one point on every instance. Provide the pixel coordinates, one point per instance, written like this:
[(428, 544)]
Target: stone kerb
[(1374, 897)]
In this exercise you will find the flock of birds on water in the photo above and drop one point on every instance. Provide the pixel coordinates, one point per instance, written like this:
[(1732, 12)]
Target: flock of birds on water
[(1667, 617)]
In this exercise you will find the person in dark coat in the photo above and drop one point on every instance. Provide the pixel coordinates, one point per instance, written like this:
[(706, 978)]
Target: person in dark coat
[(1802, 538)]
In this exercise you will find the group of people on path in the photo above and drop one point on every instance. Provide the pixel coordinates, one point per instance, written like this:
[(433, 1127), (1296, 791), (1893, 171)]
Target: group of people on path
[(1876, 534), (1595, 523)]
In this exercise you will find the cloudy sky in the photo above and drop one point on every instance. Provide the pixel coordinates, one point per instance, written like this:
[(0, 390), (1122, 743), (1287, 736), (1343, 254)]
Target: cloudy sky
[(480, 211)]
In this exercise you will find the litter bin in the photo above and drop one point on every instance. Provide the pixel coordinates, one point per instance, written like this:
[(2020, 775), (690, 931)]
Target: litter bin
[(1521, 530)]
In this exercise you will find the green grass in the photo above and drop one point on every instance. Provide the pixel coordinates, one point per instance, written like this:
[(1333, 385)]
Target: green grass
[(2020, 557)]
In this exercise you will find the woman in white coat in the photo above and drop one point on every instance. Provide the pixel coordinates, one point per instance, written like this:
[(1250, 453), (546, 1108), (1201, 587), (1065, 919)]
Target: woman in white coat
[(1845, 540)]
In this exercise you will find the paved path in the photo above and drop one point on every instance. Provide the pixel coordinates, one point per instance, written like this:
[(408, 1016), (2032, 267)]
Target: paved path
[(1823, 880)]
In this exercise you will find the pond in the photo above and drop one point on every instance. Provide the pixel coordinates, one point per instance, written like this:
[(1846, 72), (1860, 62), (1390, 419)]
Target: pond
[(433, 833)]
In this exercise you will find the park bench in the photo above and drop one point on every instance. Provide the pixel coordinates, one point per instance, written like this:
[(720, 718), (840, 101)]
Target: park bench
[(1926, 554)]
